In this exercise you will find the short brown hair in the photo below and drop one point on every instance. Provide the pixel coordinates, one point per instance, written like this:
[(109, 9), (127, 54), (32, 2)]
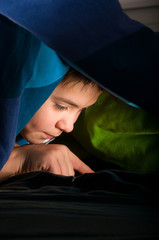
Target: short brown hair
[(78, 77)]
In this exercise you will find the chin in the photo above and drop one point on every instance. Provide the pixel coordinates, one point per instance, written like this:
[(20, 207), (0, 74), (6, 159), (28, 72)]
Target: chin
[(34, 141)]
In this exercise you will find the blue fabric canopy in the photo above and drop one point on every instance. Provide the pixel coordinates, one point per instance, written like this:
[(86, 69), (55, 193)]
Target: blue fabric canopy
[(95, 37), (30, 71)]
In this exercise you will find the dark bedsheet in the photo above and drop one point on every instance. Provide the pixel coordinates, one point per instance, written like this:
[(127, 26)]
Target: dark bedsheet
[(110, 204)]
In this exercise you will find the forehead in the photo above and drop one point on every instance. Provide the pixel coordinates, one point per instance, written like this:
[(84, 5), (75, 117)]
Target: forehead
[(77, 92)]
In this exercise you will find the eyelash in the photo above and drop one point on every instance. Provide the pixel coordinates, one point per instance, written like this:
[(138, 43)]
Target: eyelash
[(61, 108)]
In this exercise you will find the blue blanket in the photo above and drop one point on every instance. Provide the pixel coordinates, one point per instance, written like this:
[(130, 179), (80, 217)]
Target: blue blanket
[(95, 37)]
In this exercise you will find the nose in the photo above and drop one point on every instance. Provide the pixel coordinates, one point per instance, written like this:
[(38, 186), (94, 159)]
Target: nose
[(65, 125)]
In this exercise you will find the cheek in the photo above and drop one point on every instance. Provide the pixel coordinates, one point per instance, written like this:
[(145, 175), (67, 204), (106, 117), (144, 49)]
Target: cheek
[(34, 124), (45, 118), (40, 119)]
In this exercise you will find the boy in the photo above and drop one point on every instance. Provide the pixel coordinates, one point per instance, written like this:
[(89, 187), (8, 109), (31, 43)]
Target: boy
[(59, 113)]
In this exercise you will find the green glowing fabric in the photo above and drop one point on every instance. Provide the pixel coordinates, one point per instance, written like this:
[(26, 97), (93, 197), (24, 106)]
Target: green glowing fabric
[(120, 134)]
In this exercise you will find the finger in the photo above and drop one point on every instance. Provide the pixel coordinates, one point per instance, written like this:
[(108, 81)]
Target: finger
[(59, 161), (61, 165), (68, 169), (78, 165), (66, 166), (54, 167)]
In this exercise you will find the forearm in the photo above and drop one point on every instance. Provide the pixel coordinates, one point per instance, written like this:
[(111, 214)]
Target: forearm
[(8, 169)]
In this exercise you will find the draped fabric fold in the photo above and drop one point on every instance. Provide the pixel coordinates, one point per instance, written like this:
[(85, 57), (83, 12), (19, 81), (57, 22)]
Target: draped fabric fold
[(98, 39), (95, 37), (106, 205), (29, 72)]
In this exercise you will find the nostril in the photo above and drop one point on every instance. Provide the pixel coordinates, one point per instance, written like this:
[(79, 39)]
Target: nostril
[(66, 125), (69, 129)]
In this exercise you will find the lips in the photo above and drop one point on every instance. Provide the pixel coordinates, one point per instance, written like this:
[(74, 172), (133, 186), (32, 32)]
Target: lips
[(47, 136)]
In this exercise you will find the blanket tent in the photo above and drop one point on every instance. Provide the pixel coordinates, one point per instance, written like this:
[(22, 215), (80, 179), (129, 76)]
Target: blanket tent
[(119, 136)]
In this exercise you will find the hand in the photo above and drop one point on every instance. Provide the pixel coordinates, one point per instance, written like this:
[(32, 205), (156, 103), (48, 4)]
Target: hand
[(54, 158)]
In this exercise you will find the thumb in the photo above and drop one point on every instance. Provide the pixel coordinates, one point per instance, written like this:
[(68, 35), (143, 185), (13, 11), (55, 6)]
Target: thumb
[(78, 165)]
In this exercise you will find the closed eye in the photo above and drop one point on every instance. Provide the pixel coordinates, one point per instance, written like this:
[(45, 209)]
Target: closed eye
[(60, 107)]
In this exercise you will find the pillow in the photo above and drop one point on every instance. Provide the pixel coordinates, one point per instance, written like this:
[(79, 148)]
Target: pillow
[(121, 134)]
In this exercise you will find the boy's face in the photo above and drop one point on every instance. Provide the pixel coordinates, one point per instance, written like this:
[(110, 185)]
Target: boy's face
[(60, 111)]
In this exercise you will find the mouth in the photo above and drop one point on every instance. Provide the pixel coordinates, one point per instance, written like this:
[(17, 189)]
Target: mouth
[(47, 136)]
